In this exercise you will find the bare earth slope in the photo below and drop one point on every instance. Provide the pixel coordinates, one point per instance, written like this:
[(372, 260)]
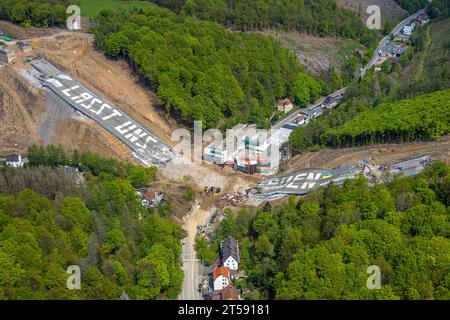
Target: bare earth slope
[(112, 79), (390, 10)]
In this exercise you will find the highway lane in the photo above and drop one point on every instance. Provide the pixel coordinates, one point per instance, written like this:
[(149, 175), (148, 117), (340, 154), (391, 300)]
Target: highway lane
[(145, 146), (304, 182)]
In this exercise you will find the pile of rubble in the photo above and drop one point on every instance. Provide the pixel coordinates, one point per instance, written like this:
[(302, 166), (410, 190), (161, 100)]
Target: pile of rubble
[(232, 199)]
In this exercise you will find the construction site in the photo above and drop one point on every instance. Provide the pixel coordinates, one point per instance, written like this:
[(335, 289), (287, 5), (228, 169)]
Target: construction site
[(56, 88)]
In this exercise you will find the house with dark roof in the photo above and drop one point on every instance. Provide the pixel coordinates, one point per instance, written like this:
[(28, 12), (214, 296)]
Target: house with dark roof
[(14, 160), (228, 293), (229, 249)]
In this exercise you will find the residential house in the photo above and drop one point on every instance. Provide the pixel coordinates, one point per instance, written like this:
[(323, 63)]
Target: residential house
[(285, 105), (14, 160), (221, 278), (408, 30), (228, 293), (230, 253), (215, 153), (423, 19)]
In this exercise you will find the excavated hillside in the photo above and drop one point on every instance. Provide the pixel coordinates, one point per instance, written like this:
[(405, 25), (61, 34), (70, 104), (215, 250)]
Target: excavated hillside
[(30, 115), (112, 79)]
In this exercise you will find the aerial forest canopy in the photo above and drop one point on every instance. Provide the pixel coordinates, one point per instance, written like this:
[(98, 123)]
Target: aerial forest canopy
[(52, 217), (320, 246), (199, 70)]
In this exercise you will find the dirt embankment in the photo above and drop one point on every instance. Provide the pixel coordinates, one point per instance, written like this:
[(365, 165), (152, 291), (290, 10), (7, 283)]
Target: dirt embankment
[(20, 108), (332, 158)]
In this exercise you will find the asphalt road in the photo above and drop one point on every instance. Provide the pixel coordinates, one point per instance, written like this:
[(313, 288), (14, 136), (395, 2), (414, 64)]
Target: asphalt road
[(191, 267), (291, 117)]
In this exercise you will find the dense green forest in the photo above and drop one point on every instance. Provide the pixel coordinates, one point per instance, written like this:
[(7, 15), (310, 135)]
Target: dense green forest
[(320, 246), (50, 219), (437, 8), (423, 118), (199, 70)]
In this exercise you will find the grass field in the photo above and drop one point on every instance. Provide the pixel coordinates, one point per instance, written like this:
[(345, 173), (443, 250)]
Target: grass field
[(90, 8)]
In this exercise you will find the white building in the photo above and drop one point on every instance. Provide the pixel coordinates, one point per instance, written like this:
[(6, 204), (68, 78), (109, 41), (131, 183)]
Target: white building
[(221, 278), (14, 160)]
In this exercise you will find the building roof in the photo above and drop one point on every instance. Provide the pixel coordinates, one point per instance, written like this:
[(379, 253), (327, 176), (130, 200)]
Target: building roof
[(218, 271), (229, 293), (284, 102), (12, 158), (216, 296), (423, 17), (230, 248)]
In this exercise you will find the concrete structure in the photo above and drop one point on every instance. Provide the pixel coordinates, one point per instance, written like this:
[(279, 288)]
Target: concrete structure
[(14, 160), (221, 278), (230, 253), (145, 146), (285, 105), (7, 55)]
